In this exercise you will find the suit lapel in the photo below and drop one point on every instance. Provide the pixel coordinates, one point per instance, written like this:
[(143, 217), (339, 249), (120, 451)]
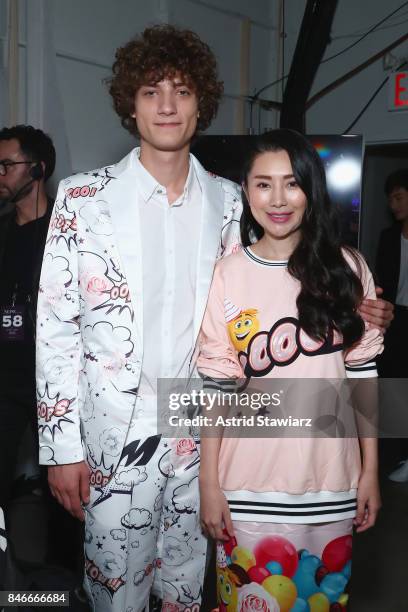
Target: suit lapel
[(124, 207), (210, 233)]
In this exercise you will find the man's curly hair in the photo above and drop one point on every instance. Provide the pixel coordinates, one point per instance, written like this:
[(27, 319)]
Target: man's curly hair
[(161, 52)]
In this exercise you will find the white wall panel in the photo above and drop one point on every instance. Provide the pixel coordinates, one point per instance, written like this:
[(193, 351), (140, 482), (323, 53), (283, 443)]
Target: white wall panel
[(95, 136), (257, 10), (220, 31), (95, 28), (22, 77), (3, 17)]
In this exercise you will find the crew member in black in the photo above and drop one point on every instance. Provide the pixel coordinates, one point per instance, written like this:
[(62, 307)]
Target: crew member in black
[(392, 274), (27, 160)]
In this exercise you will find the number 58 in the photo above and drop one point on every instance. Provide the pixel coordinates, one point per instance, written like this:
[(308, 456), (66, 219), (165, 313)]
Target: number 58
[(12, 320)]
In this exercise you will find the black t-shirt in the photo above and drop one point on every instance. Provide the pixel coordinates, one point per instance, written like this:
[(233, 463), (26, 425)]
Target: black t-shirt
[(24, 245)]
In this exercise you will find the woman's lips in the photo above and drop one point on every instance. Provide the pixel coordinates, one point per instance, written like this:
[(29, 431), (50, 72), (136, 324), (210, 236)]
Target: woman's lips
[(279, 217)]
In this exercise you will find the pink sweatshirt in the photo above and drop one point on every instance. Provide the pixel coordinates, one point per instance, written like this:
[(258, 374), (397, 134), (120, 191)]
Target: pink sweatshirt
[(252, 302)]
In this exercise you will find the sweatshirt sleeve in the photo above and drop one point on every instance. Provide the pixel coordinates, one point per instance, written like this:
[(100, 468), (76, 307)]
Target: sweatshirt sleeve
[(360, 358), (217, 357)]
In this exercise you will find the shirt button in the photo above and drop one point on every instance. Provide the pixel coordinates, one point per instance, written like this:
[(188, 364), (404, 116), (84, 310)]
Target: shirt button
[(159, 191)]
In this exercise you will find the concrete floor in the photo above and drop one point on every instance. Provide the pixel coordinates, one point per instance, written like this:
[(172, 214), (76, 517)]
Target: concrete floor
[(380, 560)]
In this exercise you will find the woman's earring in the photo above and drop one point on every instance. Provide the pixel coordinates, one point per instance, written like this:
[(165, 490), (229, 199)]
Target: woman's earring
[(198, 114)]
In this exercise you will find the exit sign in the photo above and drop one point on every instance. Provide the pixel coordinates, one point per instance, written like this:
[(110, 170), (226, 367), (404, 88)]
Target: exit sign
[(398, 91)]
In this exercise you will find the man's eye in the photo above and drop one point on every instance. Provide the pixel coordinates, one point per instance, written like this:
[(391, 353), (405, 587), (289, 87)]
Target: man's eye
[(183, 92), (149, 92)]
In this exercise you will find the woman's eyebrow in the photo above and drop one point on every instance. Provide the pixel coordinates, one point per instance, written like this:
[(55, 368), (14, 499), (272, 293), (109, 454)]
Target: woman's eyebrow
[(269, 176)]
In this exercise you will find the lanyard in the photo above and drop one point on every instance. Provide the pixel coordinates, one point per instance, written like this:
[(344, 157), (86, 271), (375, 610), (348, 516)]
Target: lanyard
[(28, 297)]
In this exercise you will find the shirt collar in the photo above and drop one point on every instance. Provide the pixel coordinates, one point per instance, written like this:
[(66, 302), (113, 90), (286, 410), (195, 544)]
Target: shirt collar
[(149, 186)]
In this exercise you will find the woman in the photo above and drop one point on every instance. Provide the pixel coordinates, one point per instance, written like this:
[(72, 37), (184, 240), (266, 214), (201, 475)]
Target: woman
[(286, 306)]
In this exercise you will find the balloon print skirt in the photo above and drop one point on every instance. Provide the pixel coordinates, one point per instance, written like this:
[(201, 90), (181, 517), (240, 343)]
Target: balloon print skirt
[(272, 567)]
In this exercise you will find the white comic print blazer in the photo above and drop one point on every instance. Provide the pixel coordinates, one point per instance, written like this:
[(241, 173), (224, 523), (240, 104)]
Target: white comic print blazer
[(90, 309)]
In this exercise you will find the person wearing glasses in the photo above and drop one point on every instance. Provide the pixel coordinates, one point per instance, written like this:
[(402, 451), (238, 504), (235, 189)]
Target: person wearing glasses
[(27, 160)]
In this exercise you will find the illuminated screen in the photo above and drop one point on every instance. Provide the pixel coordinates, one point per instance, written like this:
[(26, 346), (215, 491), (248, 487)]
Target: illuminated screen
[(342, 157)]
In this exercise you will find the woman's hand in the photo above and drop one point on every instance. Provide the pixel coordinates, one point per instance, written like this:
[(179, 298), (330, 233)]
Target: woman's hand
[(368, 501), (214, 512)]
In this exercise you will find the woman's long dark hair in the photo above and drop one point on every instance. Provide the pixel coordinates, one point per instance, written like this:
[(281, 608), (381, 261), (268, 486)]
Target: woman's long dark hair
[(330, 291)]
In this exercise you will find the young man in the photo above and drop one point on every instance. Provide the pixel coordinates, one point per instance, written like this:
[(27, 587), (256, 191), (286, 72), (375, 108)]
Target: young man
[(392, 272), (126, 274)]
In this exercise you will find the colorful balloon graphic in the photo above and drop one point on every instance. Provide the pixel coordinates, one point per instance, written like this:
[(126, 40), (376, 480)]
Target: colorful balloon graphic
[(243, 557), (346, 571), (305, 576), (337, 553), (257, 574), (276, 548), (300, 606), (319, 603), (343, 600), (230, 544), (336, 607), (321, 572), (274, 567), (333, 586), (283, 589)]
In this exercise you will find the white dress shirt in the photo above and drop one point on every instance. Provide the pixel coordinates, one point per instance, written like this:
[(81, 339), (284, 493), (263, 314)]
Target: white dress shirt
[(170, 237)]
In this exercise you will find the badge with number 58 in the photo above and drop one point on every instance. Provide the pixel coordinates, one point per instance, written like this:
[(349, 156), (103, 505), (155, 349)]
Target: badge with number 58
[(12, 323)]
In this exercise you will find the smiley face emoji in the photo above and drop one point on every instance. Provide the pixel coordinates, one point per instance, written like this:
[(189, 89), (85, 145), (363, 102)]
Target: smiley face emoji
[(243, 327)]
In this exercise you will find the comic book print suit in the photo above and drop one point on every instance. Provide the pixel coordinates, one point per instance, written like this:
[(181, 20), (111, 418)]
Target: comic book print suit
[(142, 525)]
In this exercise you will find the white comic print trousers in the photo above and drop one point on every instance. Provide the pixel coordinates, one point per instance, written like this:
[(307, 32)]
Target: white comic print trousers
[(142, 530)]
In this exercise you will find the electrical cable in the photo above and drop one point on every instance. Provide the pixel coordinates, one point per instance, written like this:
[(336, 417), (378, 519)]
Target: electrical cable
[(252, 99), (362, 31), (372, 98), (355, 71), (372, 29), (356, 42)]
